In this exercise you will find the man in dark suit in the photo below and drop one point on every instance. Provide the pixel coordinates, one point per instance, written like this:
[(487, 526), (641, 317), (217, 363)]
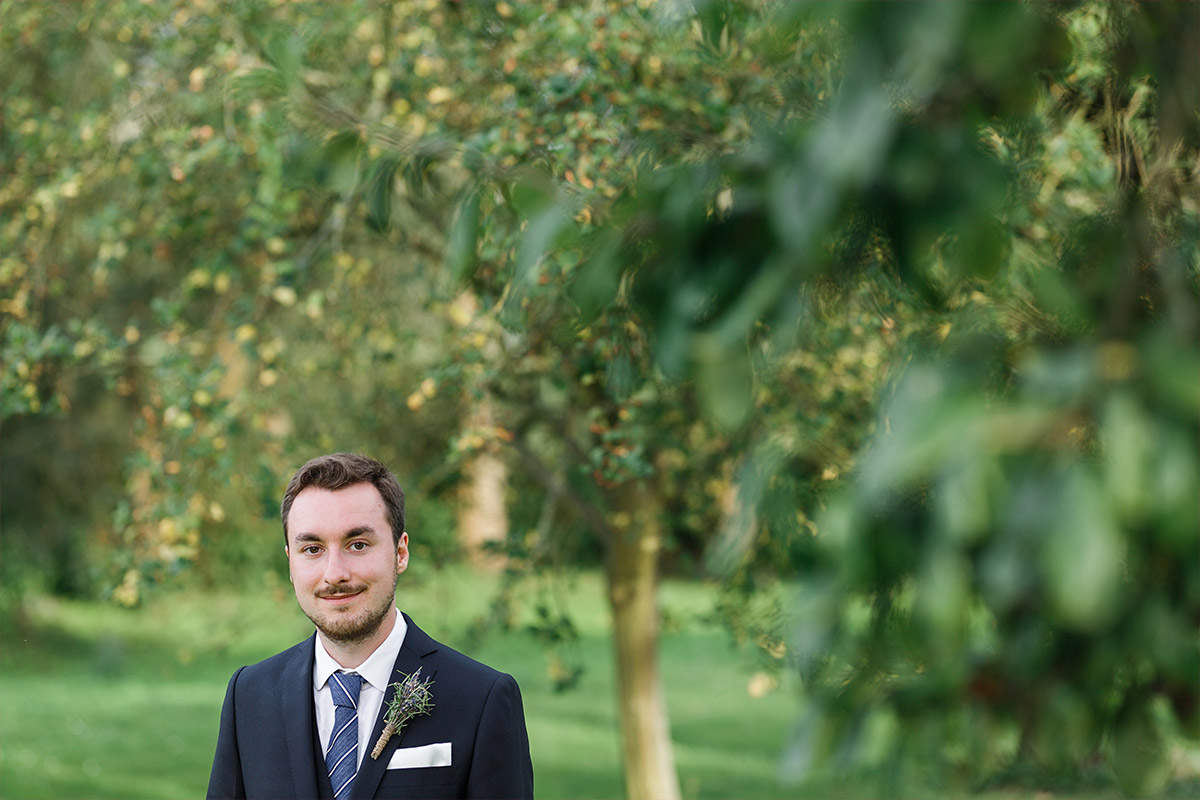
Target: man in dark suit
[(303, 723)]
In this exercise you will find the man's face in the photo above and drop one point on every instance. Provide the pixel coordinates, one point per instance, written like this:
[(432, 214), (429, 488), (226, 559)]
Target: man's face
[(342, 560)]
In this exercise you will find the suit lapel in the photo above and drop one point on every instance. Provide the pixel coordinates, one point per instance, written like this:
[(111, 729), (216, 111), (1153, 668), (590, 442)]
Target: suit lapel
[(413, 655), (299, 720)]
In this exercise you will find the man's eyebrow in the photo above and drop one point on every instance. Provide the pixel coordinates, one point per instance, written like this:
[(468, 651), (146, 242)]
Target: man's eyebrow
[(361, 530)]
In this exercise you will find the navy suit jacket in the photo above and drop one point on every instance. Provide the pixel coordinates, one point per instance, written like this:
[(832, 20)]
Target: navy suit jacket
[(268, 745)]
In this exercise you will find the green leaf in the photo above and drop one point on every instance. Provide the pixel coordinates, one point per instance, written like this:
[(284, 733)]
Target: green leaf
[(1138, 751), (263, 83), (531, 192), (594, 283), (983, 248), (340, 157), (540, 237), (464, 234), (714, 17), (284, 52), (1082, 556), (724, 379), (379, 194)]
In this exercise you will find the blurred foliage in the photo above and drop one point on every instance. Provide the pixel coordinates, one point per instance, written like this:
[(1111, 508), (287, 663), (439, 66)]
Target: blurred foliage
[(185, 309), (1006, 576), (896, 299)]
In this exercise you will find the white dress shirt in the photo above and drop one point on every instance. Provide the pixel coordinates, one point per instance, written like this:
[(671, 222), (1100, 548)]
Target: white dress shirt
[(376, 672)]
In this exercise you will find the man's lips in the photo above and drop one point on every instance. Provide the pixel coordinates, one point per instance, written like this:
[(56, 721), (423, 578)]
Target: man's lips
[(340, 598)]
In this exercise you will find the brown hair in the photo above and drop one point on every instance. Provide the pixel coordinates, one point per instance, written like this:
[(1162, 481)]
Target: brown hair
[(339, 470)]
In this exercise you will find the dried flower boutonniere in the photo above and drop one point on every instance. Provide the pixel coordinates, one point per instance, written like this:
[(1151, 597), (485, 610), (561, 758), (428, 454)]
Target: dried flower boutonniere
[(411, 699)]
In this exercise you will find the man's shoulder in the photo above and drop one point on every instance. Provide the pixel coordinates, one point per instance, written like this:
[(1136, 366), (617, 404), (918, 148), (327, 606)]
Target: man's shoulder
[(449, 659), (454, 659)]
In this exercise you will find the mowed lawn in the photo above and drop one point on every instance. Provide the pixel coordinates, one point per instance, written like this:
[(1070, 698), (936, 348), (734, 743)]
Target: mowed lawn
[(102, 702)]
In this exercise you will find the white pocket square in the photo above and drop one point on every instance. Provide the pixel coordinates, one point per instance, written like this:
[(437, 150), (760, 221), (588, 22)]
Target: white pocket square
[(427, 755)]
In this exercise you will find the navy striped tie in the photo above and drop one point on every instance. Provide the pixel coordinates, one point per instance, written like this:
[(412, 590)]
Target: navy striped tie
[(342, 757)]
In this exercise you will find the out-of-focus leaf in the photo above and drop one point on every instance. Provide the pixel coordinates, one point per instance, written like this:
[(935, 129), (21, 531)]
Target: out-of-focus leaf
[(379, 193), (1128, 438), (417, 170), (1082, 556), (982, 248), (464, 234), (1139, 752), (594, 282), (262, 84), (724, 379), (1069, 734), (285, 51), (966, 499), (540, 236), (1172, 479), (944, 597), (341, 156), (530, 192), (1173, 369)]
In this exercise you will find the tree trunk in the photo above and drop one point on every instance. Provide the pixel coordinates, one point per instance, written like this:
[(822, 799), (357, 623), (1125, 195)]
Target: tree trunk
[(483, 513), (632, 584), (483, 510)]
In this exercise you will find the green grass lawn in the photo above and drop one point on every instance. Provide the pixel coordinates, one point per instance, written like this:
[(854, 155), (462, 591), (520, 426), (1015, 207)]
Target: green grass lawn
[(101, 702)]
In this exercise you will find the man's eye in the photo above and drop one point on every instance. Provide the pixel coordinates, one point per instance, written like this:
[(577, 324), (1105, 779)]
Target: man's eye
[(311, 550), (359, 545)]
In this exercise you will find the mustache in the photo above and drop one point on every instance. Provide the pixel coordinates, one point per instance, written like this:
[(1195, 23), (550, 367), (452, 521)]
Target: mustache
[(340, 591)]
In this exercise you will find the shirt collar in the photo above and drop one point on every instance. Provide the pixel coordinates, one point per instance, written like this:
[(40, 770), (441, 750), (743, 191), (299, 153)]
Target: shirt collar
[(376, 670)]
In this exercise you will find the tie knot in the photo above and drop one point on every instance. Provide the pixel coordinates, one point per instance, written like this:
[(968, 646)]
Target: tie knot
[(345, 687)]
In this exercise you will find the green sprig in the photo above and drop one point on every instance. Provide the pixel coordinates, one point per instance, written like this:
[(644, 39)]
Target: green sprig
[(412, 698)]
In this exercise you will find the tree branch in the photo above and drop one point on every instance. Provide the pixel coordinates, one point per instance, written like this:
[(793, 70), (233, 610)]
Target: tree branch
[(587, 511)]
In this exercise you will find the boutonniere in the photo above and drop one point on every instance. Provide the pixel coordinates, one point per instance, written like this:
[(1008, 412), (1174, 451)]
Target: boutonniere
[(411, 699)]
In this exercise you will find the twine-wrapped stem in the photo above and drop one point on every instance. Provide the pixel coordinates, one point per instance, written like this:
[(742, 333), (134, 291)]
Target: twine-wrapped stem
[(412, 698)]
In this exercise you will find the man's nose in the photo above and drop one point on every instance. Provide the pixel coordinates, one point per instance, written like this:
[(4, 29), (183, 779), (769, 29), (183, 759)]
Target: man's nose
[(336, 570)]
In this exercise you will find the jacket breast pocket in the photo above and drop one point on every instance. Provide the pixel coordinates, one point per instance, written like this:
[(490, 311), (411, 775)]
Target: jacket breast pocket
[(428, 782)]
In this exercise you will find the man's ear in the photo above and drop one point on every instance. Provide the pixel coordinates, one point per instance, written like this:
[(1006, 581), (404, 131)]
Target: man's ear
[(402, 553)]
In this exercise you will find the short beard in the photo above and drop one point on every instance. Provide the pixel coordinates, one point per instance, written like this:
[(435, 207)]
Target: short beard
[(348, 632)]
